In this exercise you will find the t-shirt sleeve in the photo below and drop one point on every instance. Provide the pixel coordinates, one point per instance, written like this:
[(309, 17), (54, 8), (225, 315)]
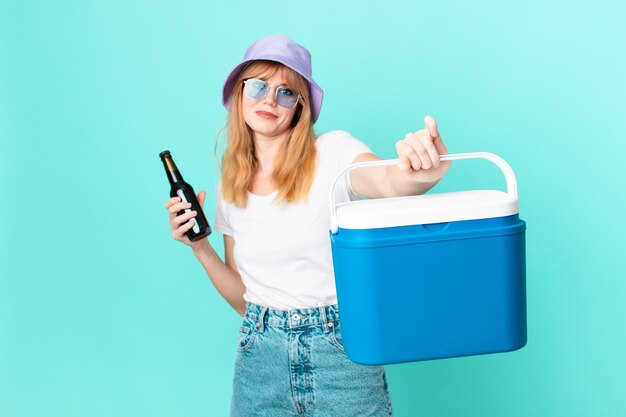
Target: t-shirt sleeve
[(221, 216), (347, 148)]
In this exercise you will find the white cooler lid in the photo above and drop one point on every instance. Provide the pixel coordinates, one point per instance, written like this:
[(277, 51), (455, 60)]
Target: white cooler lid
[(426, 209)]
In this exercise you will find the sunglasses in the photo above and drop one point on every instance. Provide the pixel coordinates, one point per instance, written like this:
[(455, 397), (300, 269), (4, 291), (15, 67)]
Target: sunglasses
[(257, 90)]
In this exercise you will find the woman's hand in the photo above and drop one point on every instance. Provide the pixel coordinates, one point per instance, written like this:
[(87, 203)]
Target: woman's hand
[(419, 153), (179, 225)]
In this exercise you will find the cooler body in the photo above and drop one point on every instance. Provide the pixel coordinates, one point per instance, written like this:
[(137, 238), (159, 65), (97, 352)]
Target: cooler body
[(430, 291)]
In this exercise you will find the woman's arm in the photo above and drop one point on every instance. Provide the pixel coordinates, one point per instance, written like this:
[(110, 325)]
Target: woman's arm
[(225, 276), (418, 171)]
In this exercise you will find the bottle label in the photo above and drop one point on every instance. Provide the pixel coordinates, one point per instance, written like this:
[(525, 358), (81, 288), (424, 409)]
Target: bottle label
[(195, 226)]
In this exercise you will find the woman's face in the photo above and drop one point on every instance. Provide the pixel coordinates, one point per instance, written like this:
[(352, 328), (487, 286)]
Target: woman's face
[(265, 117)]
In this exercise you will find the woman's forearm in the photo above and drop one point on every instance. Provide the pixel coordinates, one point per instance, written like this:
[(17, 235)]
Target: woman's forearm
[(227, 281)]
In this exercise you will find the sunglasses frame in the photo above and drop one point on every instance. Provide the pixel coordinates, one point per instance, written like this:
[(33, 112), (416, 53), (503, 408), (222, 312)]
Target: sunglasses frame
[(275, 92)]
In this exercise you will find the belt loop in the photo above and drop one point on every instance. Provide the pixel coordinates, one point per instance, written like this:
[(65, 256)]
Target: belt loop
[(323, 318), (261, 320)]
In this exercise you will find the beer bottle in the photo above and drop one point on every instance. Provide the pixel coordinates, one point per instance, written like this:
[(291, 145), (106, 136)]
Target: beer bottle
[(180, 188)]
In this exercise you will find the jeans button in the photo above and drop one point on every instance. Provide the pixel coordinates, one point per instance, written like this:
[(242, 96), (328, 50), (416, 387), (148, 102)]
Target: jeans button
[(295, 317)]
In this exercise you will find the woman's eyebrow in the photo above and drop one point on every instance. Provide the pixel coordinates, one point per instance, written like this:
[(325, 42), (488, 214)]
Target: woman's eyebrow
[(280, 84)]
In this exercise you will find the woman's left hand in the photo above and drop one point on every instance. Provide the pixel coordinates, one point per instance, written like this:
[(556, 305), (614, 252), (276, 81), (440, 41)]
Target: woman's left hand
[(419, 153)]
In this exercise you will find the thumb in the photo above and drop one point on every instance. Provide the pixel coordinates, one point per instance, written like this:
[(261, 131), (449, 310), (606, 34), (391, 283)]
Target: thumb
[(431, 125), (201, 197)]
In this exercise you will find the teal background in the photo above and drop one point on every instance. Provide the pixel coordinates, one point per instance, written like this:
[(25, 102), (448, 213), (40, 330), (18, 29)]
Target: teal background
[(102, 313)]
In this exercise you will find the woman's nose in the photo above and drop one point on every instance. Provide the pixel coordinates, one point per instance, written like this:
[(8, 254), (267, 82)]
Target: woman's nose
[(270, 97)]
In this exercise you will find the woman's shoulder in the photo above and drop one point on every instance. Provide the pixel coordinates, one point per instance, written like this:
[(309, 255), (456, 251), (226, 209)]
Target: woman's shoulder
[(338, 140), (333, 134), (330, 138)]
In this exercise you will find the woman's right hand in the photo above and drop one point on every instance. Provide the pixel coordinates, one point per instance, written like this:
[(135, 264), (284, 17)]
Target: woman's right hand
[(179, 225)]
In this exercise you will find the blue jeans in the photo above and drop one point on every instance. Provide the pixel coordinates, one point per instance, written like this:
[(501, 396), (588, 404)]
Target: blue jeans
[(292, 363)]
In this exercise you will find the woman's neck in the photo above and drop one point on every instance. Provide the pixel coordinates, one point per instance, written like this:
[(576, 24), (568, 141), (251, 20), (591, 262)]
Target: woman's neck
[(265, 150)]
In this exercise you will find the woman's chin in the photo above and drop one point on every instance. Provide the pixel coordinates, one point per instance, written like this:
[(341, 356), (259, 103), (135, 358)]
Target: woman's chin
[(266, 130)]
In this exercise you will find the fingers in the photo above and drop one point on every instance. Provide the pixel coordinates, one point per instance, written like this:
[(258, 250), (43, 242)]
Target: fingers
[(431, 126), (174, 200), (177, 207), (178, 220), (181, 224), (169, 204), (179, 232), (433, 155), (405, 163), (171, 201), (407, 155), (419, 149)]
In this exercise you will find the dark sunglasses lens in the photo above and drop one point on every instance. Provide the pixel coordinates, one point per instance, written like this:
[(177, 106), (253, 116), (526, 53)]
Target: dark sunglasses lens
[(255, 89)]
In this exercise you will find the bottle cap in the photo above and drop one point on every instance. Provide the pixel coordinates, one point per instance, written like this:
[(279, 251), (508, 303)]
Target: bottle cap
[(164, 153)]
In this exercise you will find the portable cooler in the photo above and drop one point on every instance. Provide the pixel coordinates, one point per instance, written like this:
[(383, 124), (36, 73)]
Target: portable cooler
[(430, 276)]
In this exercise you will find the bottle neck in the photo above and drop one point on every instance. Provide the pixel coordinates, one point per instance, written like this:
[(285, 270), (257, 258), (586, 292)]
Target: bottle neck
[(173, 174)]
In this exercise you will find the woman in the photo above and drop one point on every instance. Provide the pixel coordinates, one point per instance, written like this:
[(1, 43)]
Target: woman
[(272, 210)]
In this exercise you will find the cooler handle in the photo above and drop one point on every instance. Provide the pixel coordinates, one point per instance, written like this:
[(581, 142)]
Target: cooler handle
[(511, 183)]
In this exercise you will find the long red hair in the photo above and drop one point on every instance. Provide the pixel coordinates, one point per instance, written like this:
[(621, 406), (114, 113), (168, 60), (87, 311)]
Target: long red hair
[(296, 160)]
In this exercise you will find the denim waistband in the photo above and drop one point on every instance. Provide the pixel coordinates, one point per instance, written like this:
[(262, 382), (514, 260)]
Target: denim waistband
[(267, 316)]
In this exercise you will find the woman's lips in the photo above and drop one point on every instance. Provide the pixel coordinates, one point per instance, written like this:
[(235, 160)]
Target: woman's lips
[(266, 115)]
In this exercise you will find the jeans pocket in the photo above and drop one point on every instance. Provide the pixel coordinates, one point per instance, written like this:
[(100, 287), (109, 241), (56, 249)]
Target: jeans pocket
[(335, 335), (247, 334)]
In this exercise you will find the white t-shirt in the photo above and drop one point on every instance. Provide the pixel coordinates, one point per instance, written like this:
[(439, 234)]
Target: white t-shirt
[(282, 251)]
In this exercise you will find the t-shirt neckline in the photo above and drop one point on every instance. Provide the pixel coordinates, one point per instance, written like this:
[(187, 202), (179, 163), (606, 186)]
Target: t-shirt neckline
[(262, 197)]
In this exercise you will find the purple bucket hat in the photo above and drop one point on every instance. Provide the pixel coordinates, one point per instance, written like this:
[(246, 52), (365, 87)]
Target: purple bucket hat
[(281, 49)]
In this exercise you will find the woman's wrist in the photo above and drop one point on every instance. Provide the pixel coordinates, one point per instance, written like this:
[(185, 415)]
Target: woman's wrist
[(200, 247)]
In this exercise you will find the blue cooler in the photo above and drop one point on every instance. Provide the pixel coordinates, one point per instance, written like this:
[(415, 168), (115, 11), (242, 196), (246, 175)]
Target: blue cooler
[(430, 276)]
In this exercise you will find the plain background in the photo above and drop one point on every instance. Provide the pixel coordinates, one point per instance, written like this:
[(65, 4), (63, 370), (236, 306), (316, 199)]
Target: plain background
[(103, 314)]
